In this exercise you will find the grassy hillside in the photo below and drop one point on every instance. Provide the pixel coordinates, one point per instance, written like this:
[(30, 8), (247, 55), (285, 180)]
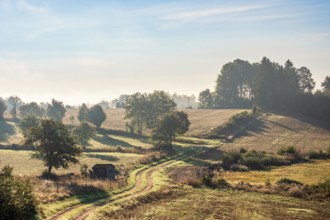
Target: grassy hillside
[(202, 120), (274, 131)]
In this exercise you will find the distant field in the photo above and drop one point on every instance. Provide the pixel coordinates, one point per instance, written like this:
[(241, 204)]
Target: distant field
[(202, 120), (275, 131), (228, 204), (24, 165)]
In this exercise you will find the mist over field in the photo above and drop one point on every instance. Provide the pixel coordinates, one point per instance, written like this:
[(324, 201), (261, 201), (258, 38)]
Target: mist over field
[(164, 109)]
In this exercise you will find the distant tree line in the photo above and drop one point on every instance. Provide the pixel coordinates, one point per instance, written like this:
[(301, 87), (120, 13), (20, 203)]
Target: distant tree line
[(241, 84)]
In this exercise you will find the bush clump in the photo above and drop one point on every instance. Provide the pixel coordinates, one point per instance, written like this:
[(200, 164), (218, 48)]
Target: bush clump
[(253, 160), (287, 150), (16, 198), (312, 154), (324, 187), (288, 181)]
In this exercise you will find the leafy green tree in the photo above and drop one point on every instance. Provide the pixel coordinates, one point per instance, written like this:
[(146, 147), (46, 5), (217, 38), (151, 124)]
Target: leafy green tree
[(136, 108), (96, 115), (160, 103), (290, 82), (205, 99), (306, 82), (16, 197), (53, 144), (3, 108), (172, 124), (14, 102), (56, 110), (234, 85), (31, 109), (83, 112), (27, 123), (326, 84), (265, 89), (83, 133)]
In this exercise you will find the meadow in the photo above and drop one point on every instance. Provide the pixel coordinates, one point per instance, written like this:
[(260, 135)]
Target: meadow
[(268, 133)]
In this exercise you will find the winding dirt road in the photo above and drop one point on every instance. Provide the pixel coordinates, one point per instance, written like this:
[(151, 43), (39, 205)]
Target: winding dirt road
[(143, 184)]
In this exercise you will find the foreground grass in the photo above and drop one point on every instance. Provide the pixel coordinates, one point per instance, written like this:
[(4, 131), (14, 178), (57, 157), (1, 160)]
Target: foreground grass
[(227, 204), (307, 173)]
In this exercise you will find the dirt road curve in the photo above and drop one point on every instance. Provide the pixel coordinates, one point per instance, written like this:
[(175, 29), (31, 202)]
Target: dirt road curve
[(138, 189)]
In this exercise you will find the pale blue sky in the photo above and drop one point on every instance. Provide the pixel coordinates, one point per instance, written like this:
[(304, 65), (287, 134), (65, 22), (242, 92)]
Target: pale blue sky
[(87, 51)]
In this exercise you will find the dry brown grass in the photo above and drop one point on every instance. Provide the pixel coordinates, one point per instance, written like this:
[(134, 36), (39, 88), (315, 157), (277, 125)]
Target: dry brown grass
[(307, 173), (202, 120), (115, 118), (25, 166), (224, 204), (276, 131)]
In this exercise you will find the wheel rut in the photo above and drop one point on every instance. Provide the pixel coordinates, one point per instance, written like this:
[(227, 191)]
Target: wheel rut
[(129, 194)]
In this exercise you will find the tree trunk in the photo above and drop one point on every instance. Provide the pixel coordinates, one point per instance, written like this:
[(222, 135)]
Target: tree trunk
[(50, 169)]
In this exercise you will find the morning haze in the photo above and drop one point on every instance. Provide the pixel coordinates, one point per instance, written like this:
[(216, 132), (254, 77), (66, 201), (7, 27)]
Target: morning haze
[(164, 109), (95, 48)]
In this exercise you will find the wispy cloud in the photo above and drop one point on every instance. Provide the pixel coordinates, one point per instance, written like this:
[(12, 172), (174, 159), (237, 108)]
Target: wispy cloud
[(25, 6), (209, 12)]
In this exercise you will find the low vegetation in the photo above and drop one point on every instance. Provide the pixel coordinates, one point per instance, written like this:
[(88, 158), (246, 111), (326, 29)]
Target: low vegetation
[(234, 125), (16, 198)]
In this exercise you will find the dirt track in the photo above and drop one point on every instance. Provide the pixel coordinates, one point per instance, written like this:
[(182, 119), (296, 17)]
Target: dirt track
[(138, 189)]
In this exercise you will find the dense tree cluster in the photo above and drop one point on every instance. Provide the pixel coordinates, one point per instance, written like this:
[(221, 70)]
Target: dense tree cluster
[(56, 110), (31, 109), (146, 110), (241, 84), (94, 115), (3, 108)]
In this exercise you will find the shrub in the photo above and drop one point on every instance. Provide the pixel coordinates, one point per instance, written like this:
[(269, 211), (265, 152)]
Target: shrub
[(16, 198), (288, 181), (253, 163), (222, 183), (242, 150), (316, 155), (230, 158), (239, 168), (287, 150), (324, 187), (7, 171)]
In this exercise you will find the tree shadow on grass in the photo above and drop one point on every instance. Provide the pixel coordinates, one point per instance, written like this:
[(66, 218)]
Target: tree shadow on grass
[(6, 130), (102, 157), (257, 127), (107, 140), (193, 160)]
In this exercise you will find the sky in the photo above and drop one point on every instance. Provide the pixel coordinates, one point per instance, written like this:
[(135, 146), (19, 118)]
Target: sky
[(89, 51)]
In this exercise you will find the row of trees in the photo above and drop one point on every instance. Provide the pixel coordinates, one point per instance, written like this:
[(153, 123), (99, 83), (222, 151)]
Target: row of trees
[(241, 84), (54, 110)]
